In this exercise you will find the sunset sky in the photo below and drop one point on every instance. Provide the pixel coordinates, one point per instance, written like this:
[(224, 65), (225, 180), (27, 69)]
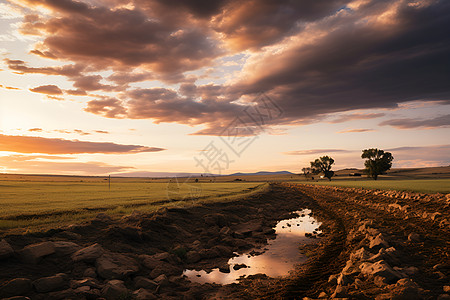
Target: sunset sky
[(97, 87)]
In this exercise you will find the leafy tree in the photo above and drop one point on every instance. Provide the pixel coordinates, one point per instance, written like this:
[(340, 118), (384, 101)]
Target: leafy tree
[(306, 171), (377, 163), (323, 165)]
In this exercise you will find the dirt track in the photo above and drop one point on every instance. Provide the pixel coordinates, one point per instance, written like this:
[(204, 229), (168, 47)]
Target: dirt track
[(157, 247)]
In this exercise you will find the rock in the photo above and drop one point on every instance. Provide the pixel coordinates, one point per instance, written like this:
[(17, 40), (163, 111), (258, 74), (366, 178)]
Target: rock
[(16, 287), (49, 284), (410, 270), (360, 255), (414, 237), (89, 282), (162, 280), (5, 250), (323, 295), (349, 268), (339, 292), (380, 268), (88, 254), (446, 288), (116, 266), (17, 298), (378, 242), (380, 281), (343, 279), (90, 272), (443, 297), (33, 253), (65, 248), (115, 290), (69, 235), (193, 257), (142, 282), (64, 294), (143, 294), (161, 256), (165, 268), (333, 279)]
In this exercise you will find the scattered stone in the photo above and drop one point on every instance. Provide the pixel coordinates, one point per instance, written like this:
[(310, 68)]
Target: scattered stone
[(378, 242), (162, 280), (5, 250), (65, 248), (89, 282), (193, 257), (33, 253), (380, 268), (116, 266), (333, 279), (360, 255), (16, 287), (88, 254), (69, 235), (145, 283), (49, 284), (90, 272), (115, 290), (143, 294), (339, 292), (161, 256), (414, 237)]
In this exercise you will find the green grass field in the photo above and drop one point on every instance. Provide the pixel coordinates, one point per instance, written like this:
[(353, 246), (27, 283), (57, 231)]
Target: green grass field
[(43, 204), (415, 185)]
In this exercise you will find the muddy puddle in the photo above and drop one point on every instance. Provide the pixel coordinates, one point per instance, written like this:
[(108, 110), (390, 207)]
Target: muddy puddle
[(276, 259)]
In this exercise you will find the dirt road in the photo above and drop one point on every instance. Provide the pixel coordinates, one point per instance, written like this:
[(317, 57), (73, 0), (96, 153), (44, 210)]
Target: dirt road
[(374, 245)]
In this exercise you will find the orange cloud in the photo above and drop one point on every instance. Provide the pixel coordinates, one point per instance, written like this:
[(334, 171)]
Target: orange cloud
[(28, 144), (47, 89), (355, 130)]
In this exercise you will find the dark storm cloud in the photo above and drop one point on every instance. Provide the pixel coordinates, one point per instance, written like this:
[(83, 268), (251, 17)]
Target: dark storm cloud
[(31, 144), (119, 38), (407, 123), (361, 65), (322, 57)]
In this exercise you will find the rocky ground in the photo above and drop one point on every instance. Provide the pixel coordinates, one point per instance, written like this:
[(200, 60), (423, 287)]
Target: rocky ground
[(384, 245)]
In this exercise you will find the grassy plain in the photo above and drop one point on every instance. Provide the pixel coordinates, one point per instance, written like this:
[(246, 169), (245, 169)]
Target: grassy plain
[(39, 202), (415, 185), (42, 202)]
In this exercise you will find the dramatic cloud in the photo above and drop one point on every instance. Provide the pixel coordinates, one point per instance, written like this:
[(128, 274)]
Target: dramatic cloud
[(28, 144), (442, 121), (355, 130), (314, 58), (47, 89)]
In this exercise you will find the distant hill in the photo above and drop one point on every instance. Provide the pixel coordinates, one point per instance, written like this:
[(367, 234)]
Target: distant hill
[(262, 173)]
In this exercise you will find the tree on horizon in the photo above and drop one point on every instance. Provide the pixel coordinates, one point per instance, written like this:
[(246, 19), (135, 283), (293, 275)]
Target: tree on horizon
[(323, 165), (377, 163)]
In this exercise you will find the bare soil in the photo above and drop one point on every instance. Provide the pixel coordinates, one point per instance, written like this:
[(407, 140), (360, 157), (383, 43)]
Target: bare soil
[(205, 237)]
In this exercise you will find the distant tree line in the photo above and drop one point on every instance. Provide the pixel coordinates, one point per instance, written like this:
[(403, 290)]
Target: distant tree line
[(377, 162)]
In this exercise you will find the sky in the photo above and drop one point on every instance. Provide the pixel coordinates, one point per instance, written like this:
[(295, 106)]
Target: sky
[(98, 87)]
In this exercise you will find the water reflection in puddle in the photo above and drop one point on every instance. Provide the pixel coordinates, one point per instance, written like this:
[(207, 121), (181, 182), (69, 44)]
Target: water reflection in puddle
[(279, 257)]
